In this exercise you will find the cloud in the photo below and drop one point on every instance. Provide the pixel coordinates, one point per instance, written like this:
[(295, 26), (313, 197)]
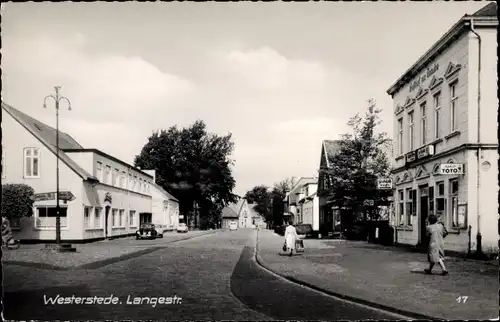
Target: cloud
[(100, 87), (265, 68)]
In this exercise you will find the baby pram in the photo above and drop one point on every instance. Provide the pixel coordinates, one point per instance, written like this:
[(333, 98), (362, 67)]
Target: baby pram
[(7, 240)]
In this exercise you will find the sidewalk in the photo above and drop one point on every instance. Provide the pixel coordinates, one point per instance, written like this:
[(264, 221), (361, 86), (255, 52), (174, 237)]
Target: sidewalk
[(91, 254), (387, 278)]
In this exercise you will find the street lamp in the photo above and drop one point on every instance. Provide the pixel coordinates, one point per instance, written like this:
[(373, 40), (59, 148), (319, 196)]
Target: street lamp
[(57, 98)]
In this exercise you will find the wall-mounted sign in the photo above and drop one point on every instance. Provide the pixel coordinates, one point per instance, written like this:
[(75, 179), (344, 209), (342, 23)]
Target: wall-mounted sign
[(417, 82), (63, 195), (411, 156), (451, 168), (384, 183), (425, 151)]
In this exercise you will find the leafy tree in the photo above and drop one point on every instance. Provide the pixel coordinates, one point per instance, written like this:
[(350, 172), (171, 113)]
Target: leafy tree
[(17, 201), (278, 194), (261, 196), (359, 161), (193, 165)]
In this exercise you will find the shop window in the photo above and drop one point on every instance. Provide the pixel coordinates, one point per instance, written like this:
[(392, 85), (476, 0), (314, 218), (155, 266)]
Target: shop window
[(121, 221), (87, 219), (114, 218), (410, 205), (401, 207), (97, 217), (456, 221), (440, 202), (46, 217)]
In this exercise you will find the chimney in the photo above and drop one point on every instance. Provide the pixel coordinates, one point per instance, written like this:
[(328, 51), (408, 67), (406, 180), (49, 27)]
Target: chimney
[(152, 173)]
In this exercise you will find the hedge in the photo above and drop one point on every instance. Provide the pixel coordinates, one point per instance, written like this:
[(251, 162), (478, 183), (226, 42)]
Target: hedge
[(16, 200)]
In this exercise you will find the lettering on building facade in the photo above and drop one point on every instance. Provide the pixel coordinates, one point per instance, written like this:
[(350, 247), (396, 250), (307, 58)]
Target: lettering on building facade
[(416, 83)]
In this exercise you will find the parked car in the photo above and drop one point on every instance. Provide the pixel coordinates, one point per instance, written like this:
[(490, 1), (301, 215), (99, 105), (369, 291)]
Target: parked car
[(233, 226), (182, 228), (146, 231), (159, 230), (169, 227)]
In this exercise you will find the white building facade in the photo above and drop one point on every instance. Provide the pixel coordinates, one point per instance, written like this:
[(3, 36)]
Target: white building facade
[(445, 109), (309, 205), (109, 195)]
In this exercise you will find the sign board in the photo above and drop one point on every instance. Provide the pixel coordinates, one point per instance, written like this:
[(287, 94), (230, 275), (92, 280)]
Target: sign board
[(384, 183), (425, 151), (410, 157), (451, 168), (63, 195)]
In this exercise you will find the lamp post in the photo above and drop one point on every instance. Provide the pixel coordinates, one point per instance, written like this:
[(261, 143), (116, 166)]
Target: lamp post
[(57, 98)]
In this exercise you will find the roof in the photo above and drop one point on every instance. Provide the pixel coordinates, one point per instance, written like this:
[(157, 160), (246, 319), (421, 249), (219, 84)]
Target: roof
[(485, 17), (164, 192), (330, 147), (234, 208), (298, 185), (228, 212), (253, 212), (110, 157), (47, 135)]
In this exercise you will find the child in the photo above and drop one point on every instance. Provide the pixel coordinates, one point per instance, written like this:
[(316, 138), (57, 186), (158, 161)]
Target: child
[(436, 232)]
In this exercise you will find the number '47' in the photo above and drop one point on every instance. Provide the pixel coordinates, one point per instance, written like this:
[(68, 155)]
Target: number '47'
[(462, 299)]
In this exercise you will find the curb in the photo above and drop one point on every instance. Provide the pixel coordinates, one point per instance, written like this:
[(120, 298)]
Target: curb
[(349, 298), (103, 262)]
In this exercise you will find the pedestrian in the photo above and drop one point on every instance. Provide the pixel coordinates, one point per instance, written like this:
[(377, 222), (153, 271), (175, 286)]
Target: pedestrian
[(436, 232), (290, 237)]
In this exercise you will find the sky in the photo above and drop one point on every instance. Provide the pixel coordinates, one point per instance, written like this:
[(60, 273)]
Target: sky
[(281, 77)]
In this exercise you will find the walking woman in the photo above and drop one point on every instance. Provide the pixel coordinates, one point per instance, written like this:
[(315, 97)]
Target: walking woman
[(290, 237), (436, 232)]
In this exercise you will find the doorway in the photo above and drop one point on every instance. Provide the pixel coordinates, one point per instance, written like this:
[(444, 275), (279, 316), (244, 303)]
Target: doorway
[(106, 220), (424, 213)]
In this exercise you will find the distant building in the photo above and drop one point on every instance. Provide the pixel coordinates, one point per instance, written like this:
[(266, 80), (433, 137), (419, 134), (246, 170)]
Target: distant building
[(165, 207), (257, 219), (109, 196), (329, 217), (445, 112), (238, 212), (293, 210), (309, 205)]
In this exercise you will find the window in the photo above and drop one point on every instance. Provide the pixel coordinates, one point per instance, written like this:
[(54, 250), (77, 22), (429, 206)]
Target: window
[(87, 217), (3, 163), (453, 107), (140, 185), (130, 182), (400, 136), (46, 217), (411, 132), (440, 201), (97, 218), (123, 179), (121, 222), (423, 124), (98, 171), (114, 217), (107, 175), (132, 221), (134, 185), (116, 173), (31, 163), (410, 205), (401, 207), (437, 119), (456, 222), (431, 201)]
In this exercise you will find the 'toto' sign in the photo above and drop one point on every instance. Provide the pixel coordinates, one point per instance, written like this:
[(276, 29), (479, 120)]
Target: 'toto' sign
[(451, 168)]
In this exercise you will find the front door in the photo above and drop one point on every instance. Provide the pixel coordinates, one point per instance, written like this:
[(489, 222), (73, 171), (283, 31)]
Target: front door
[(106, 220), (424, 213)]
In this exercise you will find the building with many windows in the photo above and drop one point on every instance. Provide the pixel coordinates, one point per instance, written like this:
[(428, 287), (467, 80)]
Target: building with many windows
[(445, 109), (105, 197)]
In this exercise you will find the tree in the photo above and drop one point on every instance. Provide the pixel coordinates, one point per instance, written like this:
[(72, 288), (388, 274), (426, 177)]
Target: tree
[(354, 170), (17, 201), (195, 166), (261, 197)]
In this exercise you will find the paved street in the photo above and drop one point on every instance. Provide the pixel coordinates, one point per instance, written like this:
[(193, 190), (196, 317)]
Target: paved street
[(210, 277), (388, 277)]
